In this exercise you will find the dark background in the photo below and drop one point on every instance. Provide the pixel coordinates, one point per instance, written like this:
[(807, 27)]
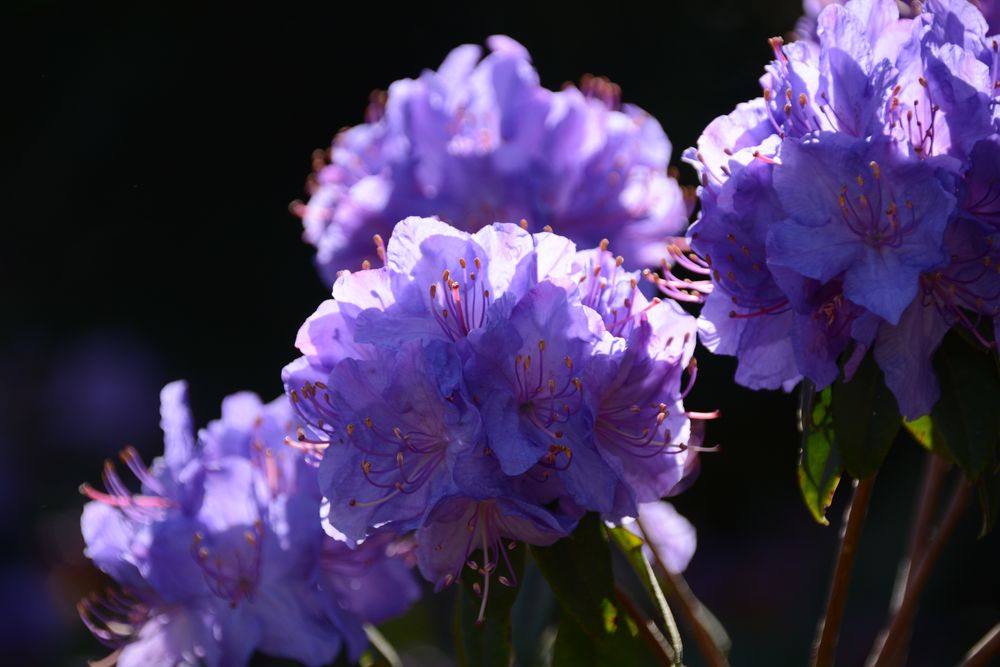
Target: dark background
[(147, 173)]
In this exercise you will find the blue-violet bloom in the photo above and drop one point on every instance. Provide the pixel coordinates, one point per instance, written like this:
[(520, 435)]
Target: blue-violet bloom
[(220, 554), (480, 141)]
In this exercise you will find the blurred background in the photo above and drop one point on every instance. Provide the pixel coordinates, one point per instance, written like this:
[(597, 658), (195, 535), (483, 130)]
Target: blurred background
[(146, 179)]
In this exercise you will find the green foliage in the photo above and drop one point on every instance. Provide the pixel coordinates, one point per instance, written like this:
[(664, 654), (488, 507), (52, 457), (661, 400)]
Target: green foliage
[(631, 546), (532, 615), (925, 432), (967, 415), (819, 468), (593, 630), (573, 648), (922, 430), (866, 419), (486, 643)]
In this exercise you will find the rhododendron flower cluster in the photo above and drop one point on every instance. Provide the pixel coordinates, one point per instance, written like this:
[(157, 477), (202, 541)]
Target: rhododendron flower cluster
[(487, 389), (220, 553), (481, 140), (855, 204)]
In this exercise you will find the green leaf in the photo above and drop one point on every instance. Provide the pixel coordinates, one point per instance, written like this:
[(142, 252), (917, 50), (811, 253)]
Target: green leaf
[(922, 430), (573, 648), (819, 459), (593, 630), (865, 419), (533, 613), (486, 643), (966, 415), (578, 568), (925, 432), (631, 546)]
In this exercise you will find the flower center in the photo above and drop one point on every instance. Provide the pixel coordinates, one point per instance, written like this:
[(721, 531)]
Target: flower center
[(873, 215), (458, 302), (970, 284), (545, 398), (397, 461), (232, 571)]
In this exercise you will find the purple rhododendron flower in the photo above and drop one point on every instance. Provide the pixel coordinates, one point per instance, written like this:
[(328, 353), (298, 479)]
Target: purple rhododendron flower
[(668, 536), (852, 206), (479, 141), (856, 216), (220, 555), (487, 389), (805, 28), (991, 12)]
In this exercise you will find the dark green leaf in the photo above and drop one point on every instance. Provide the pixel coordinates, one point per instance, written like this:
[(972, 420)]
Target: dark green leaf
[(486, 643), (865, 419), (573, 648), (966, 415), (578, 568), (925, 432), (922, 430), (533, 612), (621, 646), (631, 547), (593, 630), (819, 460)]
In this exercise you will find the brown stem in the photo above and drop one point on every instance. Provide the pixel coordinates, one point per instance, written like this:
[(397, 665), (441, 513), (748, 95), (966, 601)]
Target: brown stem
[(854, 521), (986, 648), (891, 639), (683, 599), (651, 634), (935, 472)]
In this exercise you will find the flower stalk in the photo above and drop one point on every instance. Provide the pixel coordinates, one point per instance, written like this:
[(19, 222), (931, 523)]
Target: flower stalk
[(891, 640), (854, 519)]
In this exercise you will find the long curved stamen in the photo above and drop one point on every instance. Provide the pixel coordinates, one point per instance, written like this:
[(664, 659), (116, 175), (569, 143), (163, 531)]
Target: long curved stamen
[(113, 619), (136, 506)]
